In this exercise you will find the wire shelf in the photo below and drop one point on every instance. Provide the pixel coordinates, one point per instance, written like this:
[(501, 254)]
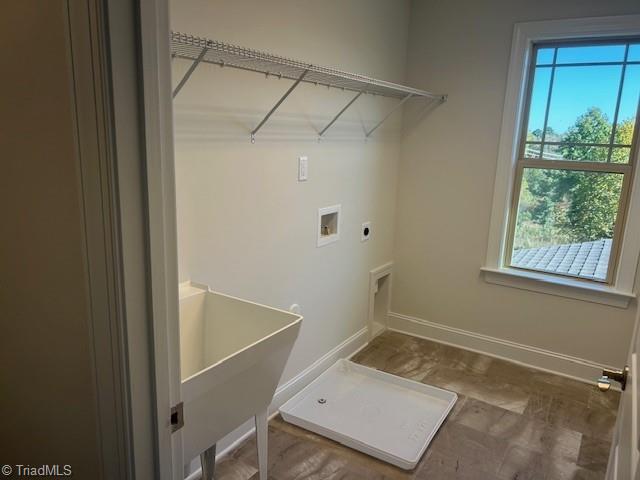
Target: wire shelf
[(198, 49), (202, 50)]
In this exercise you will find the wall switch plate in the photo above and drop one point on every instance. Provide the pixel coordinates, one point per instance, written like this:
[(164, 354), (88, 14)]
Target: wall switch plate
[(303, 169), (365, 232)]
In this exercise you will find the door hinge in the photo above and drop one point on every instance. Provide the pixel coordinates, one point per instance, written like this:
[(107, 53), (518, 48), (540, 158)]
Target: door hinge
[(177, 417)]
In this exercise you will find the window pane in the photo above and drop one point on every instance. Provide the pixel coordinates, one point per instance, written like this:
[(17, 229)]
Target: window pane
[(544, 56), (565, 221), (538, 105), (552, 152), (620, 154), (532, 150), (634, 53), (591, 54), (583, 103), (575, 152), (628, 105)]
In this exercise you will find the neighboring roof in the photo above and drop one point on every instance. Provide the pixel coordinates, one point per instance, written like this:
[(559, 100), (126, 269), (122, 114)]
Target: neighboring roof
[(585, 260)]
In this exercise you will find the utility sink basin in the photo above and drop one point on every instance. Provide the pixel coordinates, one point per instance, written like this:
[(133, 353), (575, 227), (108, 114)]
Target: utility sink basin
[(233, 353)]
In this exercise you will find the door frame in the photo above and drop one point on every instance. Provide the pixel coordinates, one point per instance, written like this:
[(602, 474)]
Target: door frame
[(613, 463), (97, 165), (120, 54), (157, 100)]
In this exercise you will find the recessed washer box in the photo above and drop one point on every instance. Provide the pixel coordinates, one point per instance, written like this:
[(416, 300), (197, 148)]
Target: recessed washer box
[(385, 416), (328, 225)]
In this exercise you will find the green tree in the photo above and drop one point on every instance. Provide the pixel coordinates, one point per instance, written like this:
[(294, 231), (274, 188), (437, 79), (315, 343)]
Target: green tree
[(594, 205), (623, 136), (541, 211), (593, 197), (536, 135), (561, 206), (591, 127)]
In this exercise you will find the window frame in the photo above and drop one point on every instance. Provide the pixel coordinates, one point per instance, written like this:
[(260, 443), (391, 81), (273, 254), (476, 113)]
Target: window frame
[(626, 169), (618, 288)]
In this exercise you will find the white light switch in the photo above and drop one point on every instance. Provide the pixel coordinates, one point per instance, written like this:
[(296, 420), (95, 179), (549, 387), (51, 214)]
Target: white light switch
[(303, 169)]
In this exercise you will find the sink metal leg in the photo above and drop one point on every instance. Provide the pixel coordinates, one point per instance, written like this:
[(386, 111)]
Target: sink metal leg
[(208, 462), (262, 429)]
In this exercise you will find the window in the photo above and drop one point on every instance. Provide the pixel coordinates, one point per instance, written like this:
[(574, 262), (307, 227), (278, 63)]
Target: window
[(566, 205), (575, 161)]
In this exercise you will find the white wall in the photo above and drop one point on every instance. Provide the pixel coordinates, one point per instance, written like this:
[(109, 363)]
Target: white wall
[(446, 182), (246, 226)]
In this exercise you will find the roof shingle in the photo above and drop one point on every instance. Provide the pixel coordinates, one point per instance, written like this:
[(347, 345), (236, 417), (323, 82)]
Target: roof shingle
[(585, 260)]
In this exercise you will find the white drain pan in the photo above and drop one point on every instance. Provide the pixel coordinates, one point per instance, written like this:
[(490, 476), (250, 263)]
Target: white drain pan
[(382, 415)]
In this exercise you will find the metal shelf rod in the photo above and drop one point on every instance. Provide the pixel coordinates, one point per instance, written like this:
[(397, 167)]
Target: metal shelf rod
[(275, 107), (188, 73), (398, 105), (339, 113)]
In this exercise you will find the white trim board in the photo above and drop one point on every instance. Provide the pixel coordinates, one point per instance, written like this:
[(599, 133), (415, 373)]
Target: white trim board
[(558, 286), (529, 356), (374, 276), (347, 349)]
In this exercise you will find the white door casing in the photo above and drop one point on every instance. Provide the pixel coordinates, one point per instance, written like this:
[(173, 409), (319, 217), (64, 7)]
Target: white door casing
[(161, 198)]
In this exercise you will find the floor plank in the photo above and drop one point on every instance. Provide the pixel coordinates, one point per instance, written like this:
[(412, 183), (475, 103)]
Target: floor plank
[(510, 422)]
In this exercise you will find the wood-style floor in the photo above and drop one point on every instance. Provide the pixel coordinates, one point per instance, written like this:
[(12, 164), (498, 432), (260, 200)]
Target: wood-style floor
[(510, 422)]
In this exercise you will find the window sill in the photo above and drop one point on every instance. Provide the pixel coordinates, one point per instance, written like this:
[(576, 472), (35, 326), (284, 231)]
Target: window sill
[(559, 286)]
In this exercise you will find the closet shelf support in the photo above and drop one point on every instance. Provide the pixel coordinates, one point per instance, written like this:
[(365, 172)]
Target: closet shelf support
[(339, 114), (398, 105), (188, 73), (275, 107)]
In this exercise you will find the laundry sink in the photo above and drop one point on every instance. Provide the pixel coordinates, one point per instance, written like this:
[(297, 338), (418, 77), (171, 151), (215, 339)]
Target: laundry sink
[(233, 353)]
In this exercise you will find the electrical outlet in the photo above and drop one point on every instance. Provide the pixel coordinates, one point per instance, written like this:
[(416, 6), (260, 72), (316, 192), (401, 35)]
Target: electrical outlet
[(303, 169), (365, 232)]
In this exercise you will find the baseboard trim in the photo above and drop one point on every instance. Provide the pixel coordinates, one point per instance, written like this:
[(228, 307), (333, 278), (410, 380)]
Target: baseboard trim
[(527, 355), (347, 349)]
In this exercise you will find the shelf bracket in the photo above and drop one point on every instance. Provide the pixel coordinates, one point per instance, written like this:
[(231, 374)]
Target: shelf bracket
[(190, 71), (340, 113), (275, 107), (368, 134)]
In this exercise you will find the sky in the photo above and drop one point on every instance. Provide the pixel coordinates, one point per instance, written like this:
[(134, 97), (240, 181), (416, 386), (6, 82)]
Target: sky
[(578, 88)]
